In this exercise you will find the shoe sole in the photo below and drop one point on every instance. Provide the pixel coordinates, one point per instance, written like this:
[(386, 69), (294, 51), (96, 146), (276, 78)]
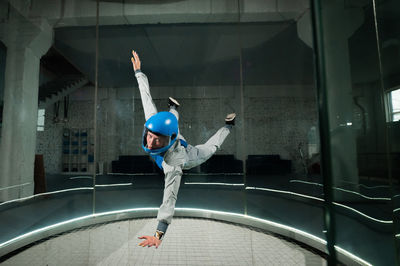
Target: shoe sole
[(174, 101), (230, 117)]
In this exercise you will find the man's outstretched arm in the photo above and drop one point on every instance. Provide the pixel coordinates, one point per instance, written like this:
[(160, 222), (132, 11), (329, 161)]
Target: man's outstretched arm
[(173, 175), (149, 107)]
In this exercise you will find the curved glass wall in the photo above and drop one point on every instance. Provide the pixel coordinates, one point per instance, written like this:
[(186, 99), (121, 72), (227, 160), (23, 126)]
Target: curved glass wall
[(72, 117), (34, 79), (190, 52), (281, 143), (213, 61), (387, 21), (357, 77)]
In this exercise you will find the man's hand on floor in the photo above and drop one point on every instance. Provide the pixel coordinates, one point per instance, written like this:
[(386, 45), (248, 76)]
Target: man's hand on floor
[(150, 241)]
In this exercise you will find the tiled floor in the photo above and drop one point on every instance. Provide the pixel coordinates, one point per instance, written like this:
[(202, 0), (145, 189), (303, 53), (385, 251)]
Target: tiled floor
[(188, 241)]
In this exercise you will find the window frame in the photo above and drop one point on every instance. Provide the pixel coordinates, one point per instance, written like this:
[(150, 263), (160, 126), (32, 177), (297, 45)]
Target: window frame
[(391, 113), (41, 119)]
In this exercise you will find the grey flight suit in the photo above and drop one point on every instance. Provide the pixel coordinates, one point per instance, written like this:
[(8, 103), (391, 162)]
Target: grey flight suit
[(177, 157)]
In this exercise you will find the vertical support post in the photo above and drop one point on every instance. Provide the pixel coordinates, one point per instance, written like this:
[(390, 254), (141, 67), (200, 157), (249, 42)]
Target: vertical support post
[(319, 59), (96, 86)]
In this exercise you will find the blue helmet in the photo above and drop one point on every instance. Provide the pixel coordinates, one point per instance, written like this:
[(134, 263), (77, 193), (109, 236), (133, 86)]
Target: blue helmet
[(161, 124)]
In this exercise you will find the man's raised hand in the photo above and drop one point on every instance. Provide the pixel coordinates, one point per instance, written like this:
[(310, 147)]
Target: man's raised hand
[(135, 61)]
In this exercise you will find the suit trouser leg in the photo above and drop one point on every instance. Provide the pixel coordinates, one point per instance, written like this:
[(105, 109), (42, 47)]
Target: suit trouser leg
[(200, 153)]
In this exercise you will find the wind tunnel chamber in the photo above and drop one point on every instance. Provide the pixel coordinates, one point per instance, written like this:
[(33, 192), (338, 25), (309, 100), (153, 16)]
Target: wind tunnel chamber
[(307, 175)]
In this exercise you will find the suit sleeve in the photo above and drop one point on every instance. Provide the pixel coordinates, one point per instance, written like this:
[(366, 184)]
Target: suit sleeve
[(149, 107), (173, 175)]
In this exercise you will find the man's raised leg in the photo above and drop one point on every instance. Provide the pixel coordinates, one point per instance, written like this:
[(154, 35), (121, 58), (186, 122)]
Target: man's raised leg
[(173, 105), (201, 153)]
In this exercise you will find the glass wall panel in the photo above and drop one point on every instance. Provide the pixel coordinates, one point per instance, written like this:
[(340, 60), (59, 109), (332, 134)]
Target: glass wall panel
[(188, 51), (281, 140), (3, 55), (40, 88), (213, 62), (361, 156), (388, 32), (88, 127)]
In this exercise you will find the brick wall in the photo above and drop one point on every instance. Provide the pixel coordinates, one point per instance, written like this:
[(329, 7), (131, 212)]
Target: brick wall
[(276, 120)]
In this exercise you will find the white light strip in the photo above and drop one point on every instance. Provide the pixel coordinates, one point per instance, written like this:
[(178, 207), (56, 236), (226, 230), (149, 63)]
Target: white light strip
[(363, 214), (285, 192), (305, 182), (137, 174), (396, 210), (248, 188), (71, 221), (15, 186), (365, 186), (185, 173), (366, 197), (218, 184), (115, 185), (341, 189), (207, 174), (46, 193), (278, 225), (230, 214), (315, 198), (352, 256), (65, 190), (397, 236), (43, 229), (81, 177), (127, 210), (373, 187)]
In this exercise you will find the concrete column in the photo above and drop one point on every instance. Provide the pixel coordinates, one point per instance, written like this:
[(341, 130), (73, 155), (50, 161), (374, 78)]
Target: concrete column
[(26, 43), (339, 22)]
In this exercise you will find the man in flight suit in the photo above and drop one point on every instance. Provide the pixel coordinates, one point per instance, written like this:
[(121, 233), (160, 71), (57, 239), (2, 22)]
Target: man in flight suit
[(161, 139)]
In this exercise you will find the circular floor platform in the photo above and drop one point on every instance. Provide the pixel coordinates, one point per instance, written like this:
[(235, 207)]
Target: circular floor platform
[(189, 241)]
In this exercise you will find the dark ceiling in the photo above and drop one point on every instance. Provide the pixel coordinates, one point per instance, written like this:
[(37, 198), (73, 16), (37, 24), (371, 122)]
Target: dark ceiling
[(191, 54)]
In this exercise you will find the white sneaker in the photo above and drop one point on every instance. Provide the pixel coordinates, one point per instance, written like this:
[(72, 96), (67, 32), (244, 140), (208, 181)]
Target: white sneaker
[(173, 102), (230, 119)]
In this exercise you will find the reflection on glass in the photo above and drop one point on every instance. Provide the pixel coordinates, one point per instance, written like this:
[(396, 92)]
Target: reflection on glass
[(3, 55), (359, 136), (17, 147), (36, 158), (197, 64), (387, 19), (260, 68), (222, 57), (281, 128)]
